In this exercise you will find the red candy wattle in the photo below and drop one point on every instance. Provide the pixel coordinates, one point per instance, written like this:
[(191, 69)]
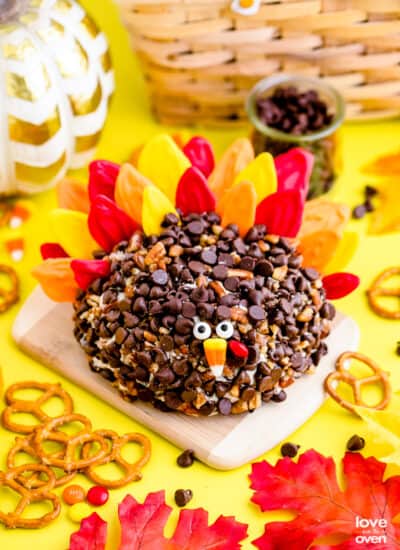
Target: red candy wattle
[(238, 349), (281, 213), (87, 271), (339, 285), (102, 177), (109, 224), (200, 153), (52, 250), (193, 196), (97, 496)]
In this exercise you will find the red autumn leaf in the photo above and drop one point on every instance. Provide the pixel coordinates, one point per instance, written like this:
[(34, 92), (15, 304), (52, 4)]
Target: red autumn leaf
[(281, 213), (87, 271), (108, 224), (339, 285), (102, 177), (193, 196), (52, 250), (142, 527), (200, 153), (92, 534), (293, 170), (311, 489)]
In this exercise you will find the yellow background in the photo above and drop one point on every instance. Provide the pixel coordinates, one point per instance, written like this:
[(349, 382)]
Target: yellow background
[(129, 124)]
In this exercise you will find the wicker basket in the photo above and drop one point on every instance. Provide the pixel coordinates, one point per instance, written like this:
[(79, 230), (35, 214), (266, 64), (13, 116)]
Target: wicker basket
[(200, 58)]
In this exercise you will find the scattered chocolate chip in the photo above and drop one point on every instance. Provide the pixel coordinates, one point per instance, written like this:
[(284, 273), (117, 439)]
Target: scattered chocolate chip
[(370, 191), (186, 459), (355, 443), (183, 497), (369, 207), (278, 397), (359, 211), (290, 449), (398, 348)]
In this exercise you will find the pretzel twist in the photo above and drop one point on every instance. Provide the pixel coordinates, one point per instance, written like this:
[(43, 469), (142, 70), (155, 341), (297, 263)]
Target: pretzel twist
[(377, 291), (9, 297), (68, 461), (33, 407), (24, 445), (341, 374), (131, 470), (11, 479)]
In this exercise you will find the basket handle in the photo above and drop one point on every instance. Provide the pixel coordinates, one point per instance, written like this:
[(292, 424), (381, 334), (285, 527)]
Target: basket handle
[(246, 7)]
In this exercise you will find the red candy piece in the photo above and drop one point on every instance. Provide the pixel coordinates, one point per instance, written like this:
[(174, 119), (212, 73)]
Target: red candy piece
[(238, 349), (92, 534), (102, 177), (200, 153), (52, 250), (339, 285), (87, 271), (293, 170), (97, 496), (281, 213), (108, 224), (193, 196)]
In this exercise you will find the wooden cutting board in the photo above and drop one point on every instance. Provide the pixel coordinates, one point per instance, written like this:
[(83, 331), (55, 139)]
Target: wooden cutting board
[(43, 330)]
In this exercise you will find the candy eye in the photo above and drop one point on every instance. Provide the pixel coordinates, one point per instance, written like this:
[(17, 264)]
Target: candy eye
[(201, 331), (225, 330)]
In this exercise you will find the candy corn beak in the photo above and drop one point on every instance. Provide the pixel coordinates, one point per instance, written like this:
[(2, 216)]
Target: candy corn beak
[(215, 350)]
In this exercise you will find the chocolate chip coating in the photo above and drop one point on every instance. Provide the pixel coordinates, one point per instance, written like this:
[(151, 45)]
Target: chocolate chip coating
[(151, 326)]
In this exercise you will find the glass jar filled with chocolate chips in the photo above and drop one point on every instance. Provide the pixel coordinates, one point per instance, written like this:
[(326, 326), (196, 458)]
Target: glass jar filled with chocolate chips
[(289, 111)]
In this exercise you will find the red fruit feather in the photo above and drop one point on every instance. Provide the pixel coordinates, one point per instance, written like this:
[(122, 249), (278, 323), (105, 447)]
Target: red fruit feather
[(339, 285), (92, 534), (310, 488), (52, 250), (87, 271), (108, 224), (193, 196), (102, 178), (281, 213), (200, 153), (293, 170)]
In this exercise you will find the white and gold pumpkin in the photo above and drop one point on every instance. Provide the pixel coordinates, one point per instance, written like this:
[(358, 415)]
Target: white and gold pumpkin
[(56, 80)]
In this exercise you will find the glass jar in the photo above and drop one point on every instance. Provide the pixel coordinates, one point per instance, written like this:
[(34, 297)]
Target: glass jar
[(324, 144)]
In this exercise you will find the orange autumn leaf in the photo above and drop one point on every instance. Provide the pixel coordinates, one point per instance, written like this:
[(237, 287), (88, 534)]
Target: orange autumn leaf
[(386, 218), (239, 206), (129, 191), (318, 248), (73, 195), (386, 165), (233, 161), (57, 279)]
